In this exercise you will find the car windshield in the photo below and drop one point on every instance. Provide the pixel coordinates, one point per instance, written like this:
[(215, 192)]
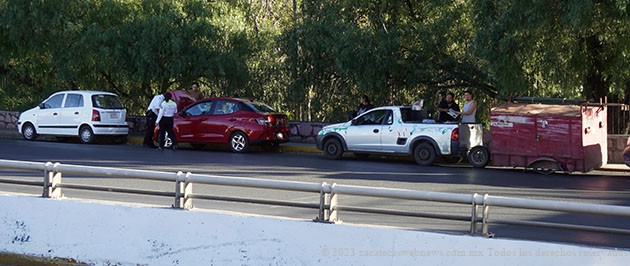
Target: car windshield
[(261, 107), (106, 101)]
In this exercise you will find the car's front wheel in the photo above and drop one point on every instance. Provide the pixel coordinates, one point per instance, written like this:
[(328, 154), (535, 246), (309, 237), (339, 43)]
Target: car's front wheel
[(29, 132), (424, 154), (238, 142), (86, 135), (333, 149)]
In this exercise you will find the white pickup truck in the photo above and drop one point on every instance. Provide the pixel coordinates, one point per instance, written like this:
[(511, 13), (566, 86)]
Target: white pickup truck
[(391, 130)]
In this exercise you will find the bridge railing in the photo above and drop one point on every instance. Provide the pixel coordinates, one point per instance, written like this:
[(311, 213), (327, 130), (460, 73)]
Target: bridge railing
[(329, 204)]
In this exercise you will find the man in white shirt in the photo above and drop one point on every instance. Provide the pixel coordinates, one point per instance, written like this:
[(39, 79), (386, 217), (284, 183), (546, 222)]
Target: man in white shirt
[(151, 116), (168, 109)]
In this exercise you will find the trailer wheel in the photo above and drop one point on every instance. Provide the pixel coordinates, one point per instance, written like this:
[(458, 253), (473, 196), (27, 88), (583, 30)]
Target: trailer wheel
[(479, 156)]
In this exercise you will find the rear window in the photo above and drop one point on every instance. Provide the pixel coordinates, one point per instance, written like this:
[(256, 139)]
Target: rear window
[(106, 101), (261, 107), (409, 116)]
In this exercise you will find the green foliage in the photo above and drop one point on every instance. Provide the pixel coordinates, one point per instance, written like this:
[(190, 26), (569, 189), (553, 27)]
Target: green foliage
[(575, 48), (312, 59)]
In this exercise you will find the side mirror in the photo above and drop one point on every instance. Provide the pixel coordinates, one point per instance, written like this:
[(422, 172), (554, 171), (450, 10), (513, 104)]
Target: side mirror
[(183, 114), (42, 106)]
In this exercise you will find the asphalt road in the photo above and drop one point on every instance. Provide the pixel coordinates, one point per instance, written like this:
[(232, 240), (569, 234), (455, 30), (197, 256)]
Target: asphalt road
[(595, 187)]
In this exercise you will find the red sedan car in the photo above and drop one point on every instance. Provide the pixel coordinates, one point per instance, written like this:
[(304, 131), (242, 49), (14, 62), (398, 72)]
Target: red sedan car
[(233, 121)]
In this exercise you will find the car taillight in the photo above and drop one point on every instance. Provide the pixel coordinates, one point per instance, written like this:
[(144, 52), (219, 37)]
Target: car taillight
[(455, 135), (96, 115), (272, 120), (263, 121)]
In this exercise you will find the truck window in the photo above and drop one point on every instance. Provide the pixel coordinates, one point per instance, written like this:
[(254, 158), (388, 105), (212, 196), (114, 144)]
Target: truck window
[(372, 118), (412, 116)]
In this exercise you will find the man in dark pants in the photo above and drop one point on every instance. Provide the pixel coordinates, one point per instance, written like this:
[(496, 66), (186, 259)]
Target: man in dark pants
[(151, 116)]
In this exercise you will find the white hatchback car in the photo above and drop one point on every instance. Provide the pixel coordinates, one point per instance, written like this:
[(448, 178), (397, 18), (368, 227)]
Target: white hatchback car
[(85, 114)]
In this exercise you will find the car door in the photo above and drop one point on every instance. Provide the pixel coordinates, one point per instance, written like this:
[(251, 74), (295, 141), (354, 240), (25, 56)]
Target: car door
[(48, 115), (216, 127), (365, 132), (392, 140), (70, 115), (188, 123)]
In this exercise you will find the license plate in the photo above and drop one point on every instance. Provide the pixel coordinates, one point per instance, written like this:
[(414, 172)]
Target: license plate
[(113, 116)]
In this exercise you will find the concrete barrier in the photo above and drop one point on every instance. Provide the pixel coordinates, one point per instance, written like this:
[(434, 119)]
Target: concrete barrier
[(110, 234)]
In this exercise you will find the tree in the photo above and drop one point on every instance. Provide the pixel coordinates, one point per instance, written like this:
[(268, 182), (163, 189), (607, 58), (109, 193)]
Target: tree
[(554, 48)]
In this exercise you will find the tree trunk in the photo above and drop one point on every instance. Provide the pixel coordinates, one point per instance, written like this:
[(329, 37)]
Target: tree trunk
[(596, 85)]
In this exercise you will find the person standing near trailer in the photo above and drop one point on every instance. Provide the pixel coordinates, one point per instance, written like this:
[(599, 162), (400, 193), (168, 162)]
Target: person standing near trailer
[(469, 110)]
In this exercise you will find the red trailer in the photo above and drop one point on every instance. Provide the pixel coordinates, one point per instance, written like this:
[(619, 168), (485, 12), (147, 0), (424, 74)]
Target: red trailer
[(549, 137)]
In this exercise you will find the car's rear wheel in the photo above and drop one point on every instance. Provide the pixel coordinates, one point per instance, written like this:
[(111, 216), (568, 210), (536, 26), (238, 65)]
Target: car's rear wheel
[(238, 142), (29, 132), (86, 135), (424, 154), (333, 149)]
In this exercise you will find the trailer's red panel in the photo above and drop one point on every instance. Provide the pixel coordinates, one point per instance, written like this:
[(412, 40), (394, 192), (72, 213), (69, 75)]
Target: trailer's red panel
[(574, 137)]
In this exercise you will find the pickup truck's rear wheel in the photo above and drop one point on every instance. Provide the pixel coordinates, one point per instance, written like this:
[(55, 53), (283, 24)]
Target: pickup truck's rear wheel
[(424, 154), (333, 149)]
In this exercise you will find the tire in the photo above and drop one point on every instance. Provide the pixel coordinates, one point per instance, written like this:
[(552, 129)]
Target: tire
[(198, 146), (333, 149), (29, 132), (270, 147), (361, 155), (424, 154), (86, 135), (238, 142), (479, 156)]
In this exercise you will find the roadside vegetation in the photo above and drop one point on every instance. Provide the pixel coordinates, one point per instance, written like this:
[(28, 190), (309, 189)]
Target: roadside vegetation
[(312, 59)]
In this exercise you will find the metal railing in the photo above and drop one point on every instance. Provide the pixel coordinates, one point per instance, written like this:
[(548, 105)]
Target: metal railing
[(618, 118), (329, 204)]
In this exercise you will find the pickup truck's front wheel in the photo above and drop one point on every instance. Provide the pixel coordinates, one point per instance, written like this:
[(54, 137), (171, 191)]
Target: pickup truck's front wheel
[(333, 149), (424, 154)]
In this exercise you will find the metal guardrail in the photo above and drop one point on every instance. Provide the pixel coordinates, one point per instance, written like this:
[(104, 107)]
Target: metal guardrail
[(328, 207), (618, 118)]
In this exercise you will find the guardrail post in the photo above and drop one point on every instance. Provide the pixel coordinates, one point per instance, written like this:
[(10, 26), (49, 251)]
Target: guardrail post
[(188, 190), (179, 187), (324, 200), (55, 180), (332, 209), (473, 215), (486, 214), (48, 174)]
